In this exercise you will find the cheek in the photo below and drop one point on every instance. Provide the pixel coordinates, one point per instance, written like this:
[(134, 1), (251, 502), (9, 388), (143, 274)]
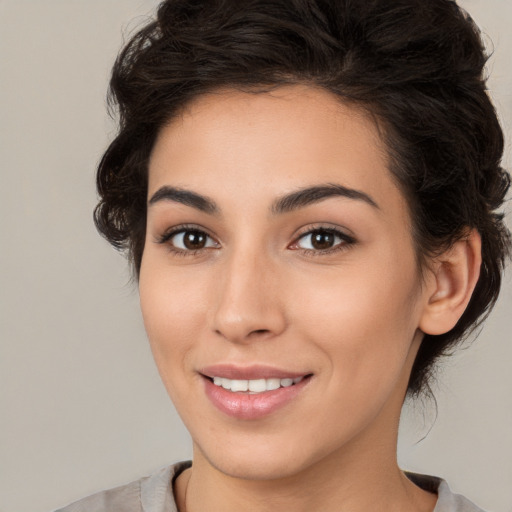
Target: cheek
[(362, 319), (173, 308)]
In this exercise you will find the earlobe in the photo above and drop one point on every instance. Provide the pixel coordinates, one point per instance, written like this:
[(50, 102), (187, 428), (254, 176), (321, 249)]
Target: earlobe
[(451, 284)]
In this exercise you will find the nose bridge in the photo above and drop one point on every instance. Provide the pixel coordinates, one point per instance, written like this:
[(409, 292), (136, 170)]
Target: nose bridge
[(248, 304)]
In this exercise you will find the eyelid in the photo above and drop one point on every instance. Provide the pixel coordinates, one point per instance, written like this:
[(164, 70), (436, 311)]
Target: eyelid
[(168, 234), (346, 239), (326, 226)]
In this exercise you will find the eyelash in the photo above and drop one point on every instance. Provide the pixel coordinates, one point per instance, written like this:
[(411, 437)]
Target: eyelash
[(184, 228), (346, 240)]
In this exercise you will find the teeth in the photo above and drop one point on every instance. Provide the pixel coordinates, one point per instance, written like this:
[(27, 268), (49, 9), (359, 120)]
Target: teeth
[(255, 385), (239, 385), (273, 384)]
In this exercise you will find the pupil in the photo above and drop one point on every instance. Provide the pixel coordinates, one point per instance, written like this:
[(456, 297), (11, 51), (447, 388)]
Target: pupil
[(322, 240), (194, 240)]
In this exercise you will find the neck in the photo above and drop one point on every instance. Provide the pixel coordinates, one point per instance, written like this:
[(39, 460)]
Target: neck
[(363, 476)]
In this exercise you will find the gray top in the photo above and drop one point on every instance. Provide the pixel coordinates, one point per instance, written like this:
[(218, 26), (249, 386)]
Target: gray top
[(154, 493)]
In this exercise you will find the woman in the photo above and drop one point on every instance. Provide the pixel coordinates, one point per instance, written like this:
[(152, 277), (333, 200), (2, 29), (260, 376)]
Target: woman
[(308, 194)]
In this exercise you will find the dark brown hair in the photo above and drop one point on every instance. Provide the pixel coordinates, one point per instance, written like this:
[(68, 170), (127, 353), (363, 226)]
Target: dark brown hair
[(417, 66)]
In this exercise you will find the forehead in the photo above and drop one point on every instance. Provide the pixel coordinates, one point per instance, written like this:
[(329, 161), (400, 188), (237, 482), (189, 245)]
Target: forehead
[(269, 143)]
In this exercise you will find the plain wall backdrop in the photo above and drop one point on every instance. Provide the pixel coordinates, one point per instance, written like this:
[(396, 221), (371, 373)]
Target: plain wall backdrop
[(82, 407)]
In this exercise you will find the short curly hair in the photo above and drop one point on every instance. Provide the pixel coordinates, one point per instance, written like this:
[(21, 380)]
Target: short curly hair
[(416, 66)]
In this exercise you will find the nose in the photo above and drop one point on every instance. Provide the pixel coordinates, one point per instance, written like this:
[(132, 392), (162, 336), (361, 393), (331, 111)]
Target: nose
[(249, 304)]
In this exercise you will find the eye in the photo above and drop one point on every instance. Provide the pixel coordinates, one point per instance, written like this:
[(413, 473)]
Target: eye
[(188, 240), (322, 240)]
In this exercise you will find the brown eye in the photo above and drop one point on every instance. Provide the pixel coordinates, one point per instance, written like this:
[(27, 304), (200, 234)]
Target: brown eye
[(190, 240), (194, 240), (323, 240)]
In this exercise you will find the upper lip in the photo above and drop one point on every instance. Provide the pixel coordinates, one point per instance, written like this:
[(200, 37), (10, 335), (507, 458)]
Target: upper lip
[(253, 372)]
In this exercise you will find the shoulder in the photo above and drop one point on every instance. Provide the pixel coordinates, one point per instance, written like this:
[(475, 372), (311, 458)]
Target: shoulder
[(447, 501), (151, 493), (450, 502)]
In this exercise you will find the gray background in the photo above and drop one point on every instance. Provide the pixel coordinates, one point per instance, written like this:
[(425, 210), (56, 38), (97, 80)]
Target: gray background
[(81, 404)]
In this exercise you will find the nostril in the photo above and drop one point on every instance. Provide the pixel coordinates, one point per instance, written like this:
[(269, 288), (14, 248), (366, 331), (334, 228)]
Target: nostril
[(259, 335)]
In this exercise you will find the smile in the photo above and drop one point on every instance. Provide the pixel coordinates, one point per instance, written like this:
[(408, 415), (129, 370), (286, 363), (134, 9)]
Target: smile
[(252, 393), (255, 386)]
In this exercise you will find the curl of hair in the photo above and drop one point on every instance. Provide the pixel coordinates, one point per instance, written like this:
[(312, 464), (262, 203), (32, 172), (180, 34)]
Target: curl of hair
[(416, 66)]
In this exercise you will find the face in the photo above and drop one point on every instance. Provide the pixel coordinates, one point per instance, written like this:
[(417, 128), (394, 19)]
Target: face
[(279, 285)]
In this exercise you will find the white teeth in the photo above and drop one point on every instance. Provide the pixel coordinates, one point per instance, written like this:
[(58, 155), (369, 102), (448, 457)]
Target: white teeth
[(239, 385), (255, 385), (273, 384)]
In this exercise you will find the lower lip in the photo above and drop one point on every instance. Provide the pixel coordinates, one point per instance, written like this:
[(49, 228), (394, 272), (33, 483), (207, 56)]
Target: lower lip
[(247, 406)]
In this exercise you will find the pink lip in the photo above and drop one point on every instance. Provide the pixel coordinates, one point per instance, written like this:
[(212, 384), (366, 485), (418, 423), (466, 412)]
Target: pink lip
[(229, 371), (247, 406)]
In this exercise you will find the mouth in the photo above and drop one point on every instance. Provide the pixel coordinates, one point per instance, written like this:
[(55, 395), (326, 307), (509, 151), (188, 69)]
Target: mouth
[(252, 393), (255, 386)]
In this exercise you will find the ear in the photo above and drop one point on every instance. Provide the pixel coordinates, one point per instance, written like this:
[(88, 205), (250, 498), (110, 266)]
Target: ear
[(453, 278)]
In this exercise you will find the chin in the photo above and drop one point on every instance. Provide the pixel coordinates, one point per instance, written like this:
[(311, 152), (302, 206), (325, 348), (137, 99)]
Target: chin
[(258, 468), (261, 459)]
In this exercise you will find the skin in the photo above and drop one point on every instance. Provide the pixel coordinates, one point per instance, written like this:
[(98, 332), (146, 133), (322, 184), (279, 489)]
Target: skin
[(352, 317)]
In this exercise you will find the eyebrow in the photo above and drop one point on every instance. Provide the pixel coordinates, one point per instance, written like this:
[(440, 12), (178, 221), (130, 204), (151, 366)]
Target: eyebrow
[(288, 203), (306, 196), (186, 197)]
